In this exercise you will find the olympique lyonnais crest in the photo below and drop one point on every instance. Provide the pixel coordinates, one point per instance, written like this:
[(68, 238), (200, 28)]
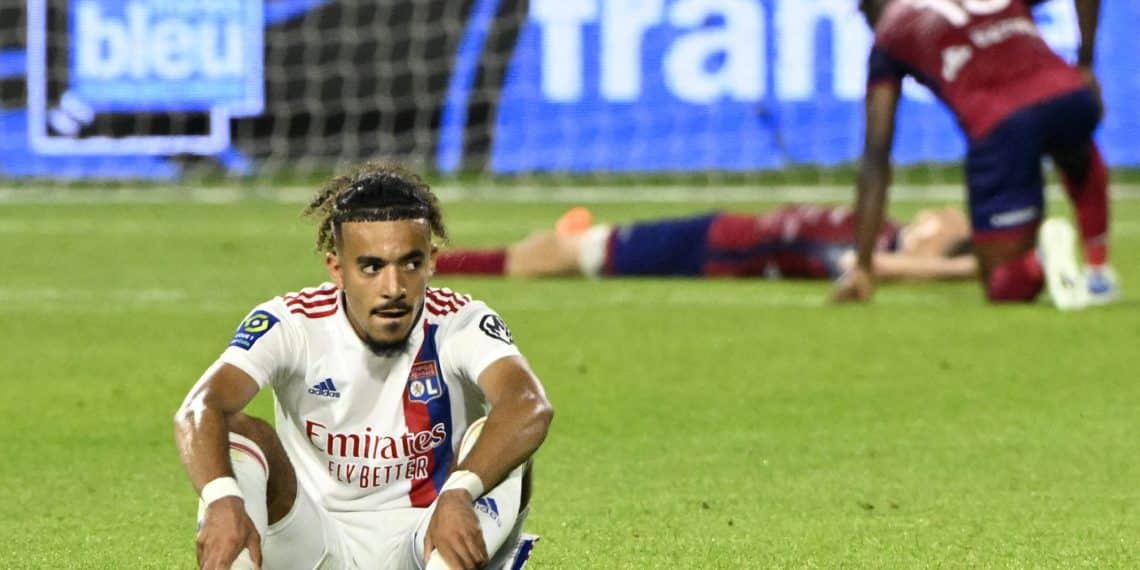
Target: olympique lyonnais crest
[(424, 384)]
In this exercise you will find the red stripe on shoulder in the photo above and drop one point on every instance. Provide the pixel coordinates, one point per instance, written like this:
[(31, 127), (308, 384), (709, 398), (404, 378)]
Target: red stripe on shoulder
[(327, 290), (443, 301), (459, 298), (445, 295), (313, 313), (438, 310), (315, 302), (309, 293)]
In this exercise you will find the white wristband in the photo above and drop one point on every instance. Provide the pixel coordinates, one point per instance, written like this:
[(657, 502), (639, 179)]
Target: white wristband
[(465, 480), (219, 488)]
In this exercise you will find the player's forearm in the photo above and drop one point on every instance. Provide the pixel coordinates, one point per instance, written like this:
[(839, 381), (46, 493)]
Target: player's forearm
[(513, 432), (1088, 19), (875, 168), (901, 267), (203, 444), (874, 175), (201, 424)]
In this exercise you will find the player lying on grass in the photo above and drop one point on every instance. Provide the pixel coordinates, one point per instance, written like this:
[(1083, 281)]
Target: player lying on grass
[(1017, 102), (797, 241), (376, 379)]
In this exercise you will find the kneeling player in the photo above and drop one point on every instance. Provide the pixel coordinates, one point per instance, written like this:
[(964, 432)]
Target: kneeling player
[(1017, 102), (376, 378)]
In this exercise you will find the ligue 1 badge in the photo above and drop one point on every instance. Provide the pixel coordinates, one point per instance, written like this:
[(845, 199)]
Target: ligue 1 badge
[(252, 328)]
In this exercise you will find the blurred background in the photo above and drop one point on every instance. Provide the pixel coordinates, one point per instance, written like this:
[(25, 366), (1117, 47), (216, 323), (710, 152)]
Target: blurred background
[(112, 90)]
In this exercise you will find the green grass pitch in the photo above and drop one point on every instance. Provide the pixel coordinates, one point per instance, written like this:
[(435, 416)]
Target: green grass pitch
[(700, 424)]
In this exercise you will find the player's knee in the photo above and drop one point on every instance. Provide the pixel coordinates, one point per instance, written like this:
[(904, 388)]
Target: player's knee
[(255, 429), (256, 440), (1002, 295), (1008, 285)]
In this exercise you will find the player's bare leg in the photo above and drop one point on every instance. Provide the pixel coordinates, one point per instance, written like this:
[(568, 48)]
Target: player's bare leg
[(555, 253), (544, 254), (541, 254)]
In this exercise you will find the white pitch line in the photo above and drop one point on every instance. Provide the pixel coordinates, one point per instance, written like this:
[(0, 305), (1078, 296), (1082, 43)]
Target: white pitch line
[(466, 228), (49, 300), (157, 227), (245, 229), (101, 301), (757, 298), (487, 192), (83, 295)]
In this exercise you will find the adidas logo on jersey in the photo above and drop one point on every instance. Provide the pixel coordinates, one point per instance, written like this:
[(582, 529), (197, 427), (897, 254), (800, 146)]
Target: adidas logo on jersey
[(489, 507), (325, 388)]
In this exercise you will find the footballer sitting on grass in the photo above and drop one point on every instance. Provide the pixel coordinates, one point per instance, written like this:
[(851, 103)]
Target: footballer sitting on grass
[(376, 378)]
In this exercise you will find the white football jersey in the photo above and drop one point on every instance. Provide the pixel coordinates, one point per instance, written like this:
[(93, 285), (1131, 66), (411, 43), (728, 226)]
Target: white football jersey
[(369, 433)]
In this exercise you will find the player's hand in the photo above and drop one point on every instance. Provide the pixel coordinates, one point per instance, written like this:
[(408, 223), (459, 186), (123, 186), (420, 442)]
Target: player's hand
[(454, 532), (226, 530), (1094, 84), (855, 286)]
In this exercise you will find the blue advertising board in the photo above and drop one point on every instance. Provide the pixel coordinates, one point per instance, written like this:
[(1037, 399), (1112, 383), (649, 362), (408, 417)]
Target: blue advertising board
[(128, 88), (140, 56), (690, 85)]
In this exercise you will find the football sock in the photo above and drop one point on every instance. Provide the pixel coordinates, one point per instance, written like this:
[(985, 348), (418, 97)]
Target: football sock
[(1019, 279), (252, 473), (471, 262), (1089, 195)]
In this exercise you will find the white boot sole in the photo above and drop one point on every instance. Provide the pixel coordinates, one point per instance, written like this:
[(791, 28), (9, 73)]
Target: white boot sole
[(1063, 278)]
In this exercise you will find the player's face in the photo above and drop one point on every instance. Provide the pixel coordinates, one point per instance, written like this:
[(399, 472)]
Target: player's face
[(383, 269)]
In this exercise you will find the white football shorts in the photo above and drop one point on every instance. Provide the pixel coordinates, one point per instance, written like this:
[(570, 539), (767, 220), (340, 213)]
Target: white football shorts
[(310, 538)]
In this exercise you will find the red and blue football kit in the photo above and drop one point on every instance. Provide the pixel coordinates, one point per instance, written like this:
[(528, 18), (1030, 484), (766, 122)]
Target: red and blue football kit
[(1016, 100), (794, 241)]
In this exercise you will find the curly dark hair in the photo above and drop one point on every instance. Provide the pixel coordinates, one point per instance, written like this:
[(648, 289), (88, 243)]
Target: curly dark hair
[(375, 192)]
